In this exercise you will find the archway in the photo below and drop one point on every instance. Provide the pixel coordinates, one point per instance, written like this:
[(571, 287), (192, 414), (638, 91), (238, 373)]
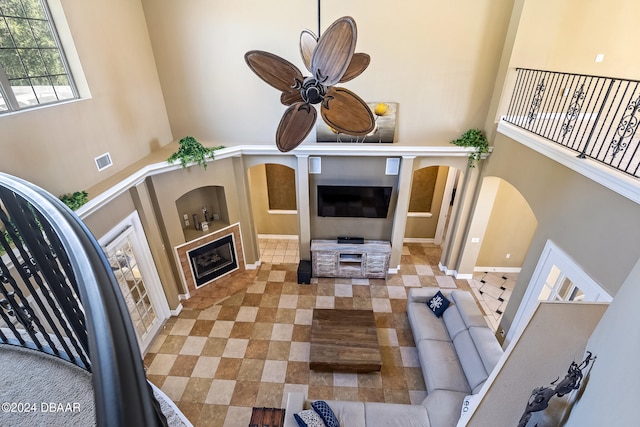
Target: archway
[(272, 189), (499, 236)]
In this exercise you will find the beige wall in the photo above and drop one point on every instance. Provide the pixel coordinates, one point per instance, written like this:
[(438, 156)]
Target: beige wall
[(265, 222), (54, 147), (509, 230), (556, 336), (352, 171), (103, 220), (425, 227), (569, 38), (436, 59), (592, 224)]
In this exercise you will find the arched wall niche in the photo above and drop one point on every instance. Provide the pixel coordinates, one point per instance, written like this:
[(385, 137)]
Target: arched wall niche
[(200, 206)]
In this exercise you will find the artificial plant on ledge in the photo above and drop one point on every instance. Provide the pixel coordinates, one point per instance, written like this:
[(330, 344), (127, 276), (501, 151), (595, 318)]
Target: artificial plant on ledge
[(473, 138), (74, 200), (192, 151)]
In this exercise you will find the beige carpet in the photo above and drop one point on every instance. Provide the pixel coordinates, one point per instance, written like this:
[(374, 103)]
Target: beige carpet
[(41, 390), (37, 389)]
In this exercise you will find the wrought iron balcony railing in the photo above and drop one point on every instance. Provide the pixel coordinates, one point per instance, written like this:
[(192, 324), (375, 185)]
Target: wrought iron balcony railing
[(597, 117), (58, 295)]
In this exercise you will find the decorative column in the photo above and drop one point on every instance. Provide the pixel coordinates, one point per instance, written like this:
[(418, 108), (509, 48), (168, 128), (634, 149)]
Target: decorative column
[(304, 216), (459, 223), (402, 208)]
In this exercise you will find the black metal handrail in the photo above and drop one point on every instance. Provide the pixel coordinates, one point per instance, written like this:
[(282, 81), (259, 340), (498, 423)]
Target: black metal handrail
[(595, 116), (59, 296)]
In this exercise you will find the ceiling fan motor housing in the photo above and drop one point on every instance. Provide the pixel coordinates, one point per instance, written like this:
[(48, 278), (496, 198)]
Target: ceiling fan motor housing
[(312, 91)]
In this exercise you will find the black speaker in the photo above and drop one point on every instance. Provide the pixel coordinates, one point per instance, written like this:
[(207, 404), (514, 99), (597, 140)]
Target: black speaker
[(346, 239), (304, 272)]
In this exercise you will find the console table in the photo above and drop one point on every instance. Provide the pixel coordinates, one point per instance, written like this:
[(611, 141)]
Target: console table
[(332, 259)]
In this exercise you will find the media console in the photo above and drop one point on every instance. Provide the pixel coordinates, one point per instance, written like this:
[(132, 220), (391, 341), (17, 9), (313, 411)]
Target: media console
[(369, 259)]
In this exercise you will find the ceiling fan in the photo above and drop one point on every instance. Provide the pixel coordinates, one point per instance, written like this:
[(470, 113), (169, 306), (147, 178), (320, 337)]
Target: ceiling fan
[(331, 59)]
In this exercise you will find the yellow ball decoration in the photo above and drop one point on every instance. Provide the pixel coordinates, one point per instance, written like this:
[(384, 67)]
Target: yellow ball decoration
[(381, 109)]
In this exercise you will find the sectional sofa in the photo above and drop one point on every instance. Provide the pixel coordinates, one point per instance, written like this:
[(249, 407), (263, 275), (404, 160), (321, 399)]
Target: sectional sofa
[(457, 352)]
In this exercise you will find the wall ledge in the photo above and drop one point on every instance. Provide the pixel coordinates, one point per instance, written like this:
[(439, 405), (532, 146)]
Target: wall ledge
[(151, 166)]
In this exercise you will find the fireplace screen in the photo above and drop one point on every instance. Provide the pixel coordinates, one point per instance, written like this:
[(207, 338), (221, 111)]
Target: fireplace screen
[(213, 260)]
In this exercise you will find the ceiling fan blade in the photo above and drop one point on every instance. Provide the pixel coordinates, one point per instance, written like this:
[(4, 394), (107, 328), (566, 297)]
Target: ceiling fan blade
[(308, 43), (346, 112), (295, 125), (277, 72), (291, 97), (334, 51), (359, 63)]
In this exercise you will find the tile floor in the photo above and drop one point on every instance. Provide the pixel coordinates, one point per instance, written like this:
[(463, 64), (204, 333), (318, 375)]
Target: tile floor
[(279, 251), (493, 290), (220, 358)]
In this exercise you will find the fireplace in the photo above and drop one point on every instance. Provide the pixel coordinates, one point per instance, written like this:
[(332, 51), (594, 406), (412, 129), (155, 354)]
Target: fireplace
[(213, 260)]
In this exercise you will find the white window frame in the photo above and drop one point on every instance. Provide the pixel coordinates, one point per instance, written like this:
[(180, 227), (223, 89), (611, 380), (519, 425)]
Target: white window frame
[(62, 37)]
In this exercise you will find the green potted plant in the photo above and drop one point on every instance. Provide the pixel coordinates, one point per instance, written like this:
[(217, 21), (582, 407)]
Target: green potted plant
[(473, 138), (192, 151)]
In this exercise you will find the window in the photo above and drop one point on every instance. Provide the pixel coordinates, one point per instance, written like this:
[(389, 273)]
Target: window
[(33, 69)]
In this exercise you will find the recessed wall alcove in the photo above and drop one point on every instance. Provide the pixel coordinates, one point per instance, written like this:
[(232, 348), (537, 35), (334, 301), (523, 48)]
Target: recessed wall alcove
[(191, 206)]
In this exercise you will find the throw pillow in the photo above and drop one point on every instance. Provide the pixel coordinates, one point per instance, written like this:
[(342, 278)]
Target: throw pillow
[(325, 412), (438, 304), (309, 418)]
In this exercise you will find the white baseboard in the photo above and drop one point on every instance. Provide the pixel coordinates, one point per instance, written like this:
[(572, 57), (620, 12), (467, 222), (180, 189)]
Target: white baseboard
[(184, 297), (253, 266), (463, 276), (498, 269), (177, 310), (278, 236), (418, 240), (446, 271), (393, 270)]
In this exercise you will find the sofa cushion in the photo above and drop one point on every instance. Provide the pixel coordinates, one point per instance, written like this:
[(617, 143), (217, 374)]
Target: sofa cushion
[(438, 304), (440, 366), (443, 407), (471, 314), (424, 325), (469, 359), (325, 412), (488, 347), (349, 414), (394, 414), (308, 418), (453, 322)]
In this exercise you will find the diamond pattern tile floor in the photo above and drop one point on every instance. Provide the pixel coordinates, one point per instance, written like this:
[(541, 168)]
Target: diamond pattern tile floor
[(225, 354)]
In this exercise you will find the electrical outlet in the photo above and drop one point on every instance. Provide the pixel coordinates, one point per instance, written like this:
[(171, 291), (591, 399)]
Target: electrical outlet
[(507, 256), (600, 57)]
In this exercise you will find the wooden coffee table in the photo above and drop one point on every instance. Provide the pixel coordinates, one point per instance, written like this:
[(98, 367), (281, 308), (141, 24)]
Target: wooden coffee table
[(344, 340)]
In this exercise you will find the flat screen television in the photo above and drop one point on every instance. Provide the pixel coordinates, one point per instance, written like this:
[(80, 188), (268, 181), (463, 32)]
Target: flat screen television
[(353, 201)]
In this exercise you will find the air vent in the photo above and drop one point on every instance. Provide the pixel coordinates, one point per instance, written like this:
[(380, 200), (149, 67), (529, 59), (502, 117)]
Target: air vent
[(103, 162)]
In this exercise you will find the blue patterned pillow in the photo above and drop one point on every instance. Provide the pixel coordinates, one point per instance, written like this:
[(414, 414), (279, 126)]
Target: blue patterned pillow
[(308, 418), (325, 412), (438, 304)]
